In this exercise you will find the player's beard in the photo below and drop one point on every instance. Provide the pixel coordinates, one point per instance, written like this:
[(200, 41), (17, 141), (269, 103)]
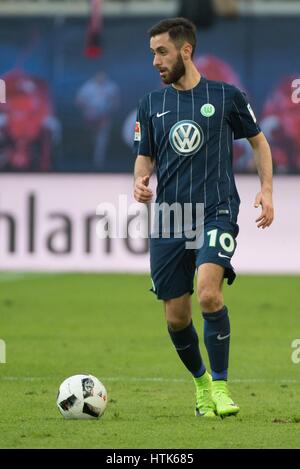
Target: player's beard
[(176, 72)]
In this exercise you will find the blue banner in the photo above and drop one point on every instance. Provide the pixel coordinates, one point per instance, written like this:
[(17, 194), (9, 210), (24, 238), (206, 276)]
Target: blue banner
[(66, 112)]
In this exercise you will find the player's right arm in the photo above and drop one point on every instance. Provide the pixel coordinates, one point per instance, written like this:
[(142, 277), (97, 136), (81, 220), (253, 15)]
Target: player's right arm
[(143, 169), (145, 150)]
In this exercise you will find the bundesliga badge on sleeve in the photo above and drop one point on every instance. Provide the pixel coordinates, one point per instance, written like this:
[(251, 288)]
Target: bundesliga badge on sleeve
[(137, 132)]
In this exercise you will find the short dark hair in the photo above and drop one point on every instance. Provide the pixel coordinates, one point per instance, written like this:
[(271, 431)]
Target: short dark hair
[(179, 29)]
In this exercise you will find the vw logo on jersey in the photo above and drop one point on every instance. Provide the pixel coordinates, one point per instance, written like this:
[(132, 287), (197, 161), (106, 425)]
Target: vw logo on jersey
[(186, 137)]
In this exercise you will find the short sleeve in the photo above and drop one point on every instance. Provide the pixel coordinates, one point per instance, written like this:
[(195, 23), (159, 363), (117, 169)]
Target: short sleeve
[(143, 133), (242, 118)]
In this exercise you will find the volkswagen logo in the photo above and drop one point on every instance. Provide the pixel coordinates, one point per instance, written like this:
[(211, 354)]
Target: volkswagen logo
[(186, 137)]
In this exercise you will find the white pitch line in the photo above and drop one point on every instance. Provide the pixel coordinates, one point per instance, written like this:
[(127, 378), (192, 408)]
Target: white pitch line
[(155, 379)]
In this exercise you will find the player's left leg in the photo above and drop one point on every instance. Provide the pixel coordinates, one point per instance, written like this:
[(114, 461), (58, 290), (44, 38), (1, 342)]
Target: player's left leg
[(216, 333)]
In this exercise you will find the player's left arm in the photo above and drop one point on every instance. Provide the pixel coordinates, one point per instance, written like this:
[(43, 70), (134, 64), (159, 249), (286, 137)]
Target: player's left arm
[(263, 160)]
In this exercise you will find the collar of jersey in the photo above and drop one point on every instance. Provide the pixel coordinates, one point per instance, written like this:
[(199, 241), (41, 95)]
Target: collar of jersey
[(197, 87)]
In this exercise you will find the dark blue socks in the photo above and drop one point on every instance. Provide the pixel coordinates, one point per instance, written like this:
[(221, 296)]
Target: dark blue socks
[(187, 346), (217, 338)]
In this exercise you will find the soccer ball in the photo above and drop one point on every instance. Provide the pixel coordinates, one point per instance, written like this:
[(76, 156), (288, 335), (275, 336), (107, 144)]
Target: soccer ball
[(81, 397)]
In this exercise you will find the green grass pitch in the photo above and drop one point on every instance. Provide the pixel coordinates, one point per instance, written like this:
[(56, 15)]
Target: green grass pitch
[(55, 326)]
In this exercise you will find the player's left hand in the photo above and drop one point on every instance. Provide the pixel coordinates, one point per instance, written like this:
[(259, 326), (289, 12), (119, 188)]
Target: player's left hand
[(267, 214)]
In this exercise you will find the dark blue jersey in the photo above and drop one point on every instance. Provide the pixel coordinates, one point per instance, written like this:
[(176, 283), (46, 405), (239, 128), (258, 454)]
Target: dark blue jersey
[(189, 134)]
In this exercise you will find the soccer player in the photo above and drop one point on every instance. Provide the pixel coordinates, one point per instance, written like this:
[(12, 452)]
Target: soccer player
[(185, 131)]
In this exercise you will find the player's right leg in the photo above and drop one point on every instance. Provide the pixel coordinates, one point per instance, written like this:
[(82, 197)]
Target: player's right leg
[(172, 272), (178, 313)]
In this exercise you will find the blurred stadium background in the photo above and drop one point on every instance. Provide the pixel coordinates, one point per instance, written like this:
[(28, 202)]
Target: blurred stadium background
[(73, 81)]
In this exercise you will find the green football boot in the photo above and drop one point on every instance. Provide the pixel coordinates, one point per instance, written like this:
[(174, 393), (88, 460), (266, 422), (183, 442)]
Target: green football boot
[(225, 406), (204, 403)]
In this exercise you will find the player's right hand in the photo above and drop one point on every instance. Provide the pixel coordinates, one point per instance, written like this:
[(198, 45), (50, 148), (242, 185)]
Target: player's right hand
[(142, 193)]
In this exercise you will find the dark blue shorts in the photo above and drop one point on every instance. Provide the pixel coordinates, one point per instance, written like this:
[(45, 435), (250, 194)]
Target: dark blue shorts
[(173, 266)]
